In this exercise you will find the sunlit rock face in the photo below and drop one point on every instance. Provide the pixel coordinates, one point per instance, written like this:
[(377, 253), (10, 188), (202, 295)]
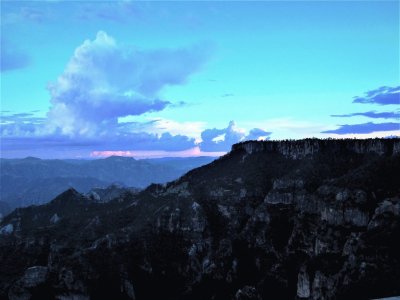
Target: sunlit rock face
[(309, 219)]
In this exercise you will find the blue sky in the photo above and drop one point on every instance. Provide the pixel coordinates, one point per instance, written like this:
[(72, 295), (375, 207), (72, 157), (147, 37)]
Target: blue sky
[(87, 79)]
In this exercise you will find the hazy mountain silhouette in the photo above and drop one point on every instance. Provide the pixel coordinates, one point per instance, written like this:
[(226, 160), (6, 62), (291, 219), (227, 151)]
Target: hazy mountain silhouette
[(35, 181)]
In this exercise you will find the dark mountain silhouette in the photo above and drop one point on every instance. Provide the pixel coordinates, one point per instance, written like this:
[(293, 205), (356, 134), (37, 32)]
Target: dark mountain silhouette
[(35, 181), (307, 219)]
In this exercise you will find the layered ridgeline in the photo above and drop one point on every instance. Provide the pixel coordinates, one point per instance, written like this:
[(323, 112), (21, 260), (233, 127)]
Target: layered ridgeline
[(308, 219), (36, 181)]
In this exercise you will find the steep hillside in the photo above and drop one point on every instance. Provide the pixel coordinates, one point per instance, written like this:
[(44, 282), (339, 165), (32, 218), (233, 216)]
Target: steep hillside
[(308, 219)]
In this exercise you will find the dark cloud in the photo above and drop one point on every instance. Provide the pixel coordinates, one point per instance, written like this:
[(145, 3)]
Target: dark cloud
[(364, 128), (372, 114), (223, 139), (11, 57), (384, 96)]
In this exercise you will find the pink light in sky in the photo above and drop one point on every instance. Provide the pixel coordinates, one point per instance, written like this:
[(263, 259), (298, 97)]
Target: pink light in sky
[(156, 154)]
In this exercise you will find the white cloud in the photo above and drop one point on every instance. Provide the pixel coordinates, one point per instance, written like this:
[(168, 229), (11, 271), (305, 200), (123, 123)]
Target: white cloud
[(104, 81), (190, 129), (219, 138), (222, 139)]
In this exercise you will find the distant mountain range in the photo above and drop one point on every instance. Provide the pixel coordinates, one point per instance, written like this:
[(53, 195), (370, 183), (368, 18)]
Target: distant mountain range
[(35, 181), (309, 219)]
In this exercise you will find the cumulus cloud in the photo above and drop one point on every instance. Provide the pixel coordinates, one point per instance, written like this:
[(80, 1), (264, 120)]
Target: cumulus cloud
[(384, 96), (222, 139), (11, 57), (192, 129), (103, 83), (372, 114), (105, 80), (364, 128), (130, 138), (258, 134)]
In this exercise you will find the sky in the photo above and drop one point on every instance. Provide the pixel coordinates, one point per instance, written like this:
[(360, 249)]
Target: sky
[(87, 79)]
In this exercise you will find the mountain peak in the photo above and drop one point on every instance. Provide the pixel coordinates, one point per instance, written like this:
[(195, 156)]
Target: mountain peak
[(32, 158), (119, 158), (69, 195)]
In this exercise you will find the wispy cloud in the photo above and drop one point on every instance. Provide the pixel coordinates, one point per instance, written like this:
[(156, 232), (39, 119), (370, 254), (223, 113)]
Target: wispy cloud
[(364, 128), (8, 116), (384, 96), (381, 96), (372, 114), (25, 11)]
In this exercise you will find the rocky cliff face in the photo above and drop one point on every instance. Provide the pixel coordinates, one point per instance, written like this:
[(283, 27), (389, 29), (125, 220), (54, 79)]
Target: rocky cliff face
[(309, 219), (309, 147)]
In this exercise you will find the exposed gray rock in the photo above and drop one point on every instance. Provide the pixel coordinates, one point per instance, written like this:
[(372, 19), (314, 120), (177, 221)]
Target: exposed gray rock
[(247, 293), (356, 217), (55, 218), (322, 287), (279, 198), (198, 221), (389, 208), (351, 244), (180, 189), (7, 229), (310, 147), (34, 276), (284, 184), (128, 289), (303, 284)]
